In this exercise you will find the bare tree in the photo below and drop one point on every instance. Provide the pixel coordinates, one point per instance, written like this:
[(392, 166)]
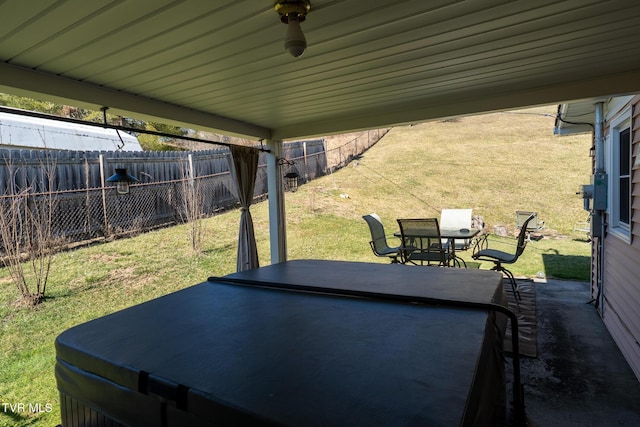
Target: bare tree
[(191, 209), (26, 228)]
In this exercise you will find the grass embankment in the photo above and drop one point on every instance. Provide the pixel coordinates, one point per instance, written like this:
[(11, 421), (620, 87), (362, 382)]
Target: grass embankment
[(495, 164)]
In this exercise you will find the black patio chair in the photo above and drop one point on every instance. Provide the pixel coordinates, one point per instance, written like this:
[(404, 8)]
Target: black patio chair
[(378, 242), (422, 243), (534, 224), (482, 252)]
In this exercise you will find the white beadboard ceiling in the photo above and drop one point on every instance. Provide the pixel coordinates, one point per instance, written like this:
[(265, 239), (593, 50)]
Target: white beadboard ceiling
[(221, 66)]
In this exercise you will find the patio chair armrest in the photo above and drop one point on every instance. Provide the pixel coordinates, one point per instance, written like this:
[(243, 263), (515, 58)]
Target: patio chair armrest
[(480, 242)]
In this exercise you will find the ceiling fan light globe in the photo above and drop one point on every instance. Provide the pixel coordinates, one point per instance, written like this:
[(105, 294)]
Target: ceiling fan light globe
[(294, 42)]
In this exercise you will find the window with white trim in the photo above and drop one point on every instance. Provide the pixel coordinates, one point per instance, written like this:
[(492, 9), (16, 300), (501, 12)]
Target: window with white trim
[(620, 176)]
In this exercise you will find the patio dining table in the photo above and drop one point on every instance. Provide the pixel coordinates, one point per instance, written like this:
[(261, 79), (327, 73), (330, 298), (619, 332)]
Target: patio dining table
[(453, 234)]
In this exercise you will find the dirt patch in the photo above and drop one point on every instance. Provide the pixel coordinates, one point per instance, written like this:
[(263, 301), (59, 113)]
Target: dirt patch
[(28, 300), (123, 273), (103, 258)]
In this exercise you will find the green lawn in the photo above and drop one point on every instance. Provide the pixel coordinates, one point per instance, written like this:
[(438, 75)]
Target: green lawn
[(495, 164)]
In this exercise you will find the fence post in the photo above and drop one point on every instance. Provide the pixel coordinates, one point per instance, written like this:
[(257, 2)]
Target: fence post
[(306, 166), (191, 171), (192, 192), (104, 195)]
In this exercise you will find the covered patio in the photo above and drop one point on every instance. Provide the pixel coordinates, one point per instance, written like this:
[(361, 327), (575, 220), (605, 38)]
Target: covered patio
[(221, 66)]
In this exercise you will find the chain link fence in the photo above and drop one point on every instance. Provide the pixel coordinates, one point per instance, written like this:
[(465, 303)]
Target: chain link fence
[(341, 151)]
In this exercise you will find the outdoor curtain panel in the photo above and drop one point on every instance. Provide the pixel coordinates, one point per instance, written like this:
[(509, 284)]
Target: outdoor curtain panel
[(244, 167)]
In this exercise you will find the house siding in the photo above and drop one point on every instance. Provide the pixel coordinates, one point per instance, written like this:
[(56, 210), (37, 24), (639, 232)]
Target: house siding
[(620, 308)]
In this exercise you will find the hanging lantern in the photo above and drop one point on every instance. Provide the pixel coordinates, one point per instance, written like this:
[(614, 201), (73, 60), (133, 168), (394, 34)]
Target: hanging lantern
[(122, 180), (292, 181)]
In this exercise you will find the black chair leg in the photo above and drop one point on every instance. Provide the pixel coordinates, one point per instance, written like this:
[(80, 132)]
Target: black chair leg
[(459, 261), (512, 279), (514, 284), (456, 262)]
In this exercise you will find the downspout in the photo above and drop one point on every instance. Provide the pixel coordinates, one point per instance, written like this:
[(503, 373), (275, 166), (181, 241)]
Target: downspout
[(598, 218), (277, 224)]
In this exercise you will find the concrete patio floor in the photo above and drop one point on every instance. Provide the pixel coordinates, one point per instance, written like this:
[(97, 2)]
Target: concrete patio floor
[(579, 378)]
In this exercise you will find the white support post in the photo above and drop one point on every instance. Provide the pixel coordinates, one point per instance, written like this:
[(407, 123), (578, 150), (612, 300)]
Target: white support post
[(277, 223)]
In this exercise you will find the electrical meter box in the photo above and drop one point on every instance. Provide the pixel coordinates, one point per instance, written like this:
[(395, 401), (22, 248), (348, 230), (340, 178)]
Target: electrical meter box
[(586, 192), (595, 194), (599, 184)]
